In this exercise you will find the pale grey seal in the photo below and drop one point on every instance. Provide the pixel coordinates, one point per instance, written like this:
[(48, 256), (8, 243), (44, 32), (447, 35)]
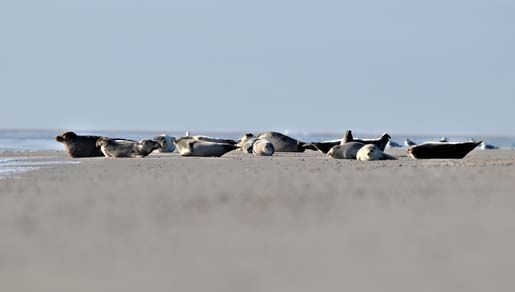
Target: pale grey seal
[(263, 147), (345, 151), (371, 152), (166, 142), (442, 150), (126, 149), (191, 146)]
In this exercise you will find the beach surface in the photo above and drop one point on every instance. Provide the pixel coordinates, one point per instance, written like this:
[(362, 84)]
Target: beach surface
[(291, 222)]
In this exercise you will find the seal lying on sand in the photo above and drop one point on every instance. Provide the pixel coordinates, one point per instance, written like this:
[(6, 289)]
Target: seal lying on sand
[(372, 152), (345, 151), (263, 147), (80, 146), (323, 147), (283, 143), (380, 142), (126, 149), (192, 146), (211, 139), (166, 142), (442, 150)]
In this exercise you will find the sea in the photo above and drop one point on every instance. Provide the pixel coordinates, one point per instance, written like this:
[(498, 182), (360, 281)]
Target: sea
[(17, 147)]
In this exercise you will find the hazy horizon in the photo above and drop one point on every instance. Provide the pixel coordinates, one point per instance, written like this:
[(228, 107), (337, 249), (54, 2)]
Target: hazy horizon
[(326, 66)]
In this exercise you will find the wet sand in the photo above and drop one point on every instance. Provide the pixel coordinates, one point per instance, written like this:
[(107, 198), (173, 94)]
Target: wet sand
[(292, 222)]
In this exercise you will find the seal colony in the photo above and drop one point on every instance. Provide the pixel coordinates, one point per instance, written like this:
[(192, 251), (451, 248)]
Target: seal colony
[(262, 144)]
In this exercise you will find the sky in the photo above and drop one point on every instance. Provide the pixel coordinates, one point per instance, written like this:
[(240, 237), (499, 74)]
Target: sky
[(306, 66)]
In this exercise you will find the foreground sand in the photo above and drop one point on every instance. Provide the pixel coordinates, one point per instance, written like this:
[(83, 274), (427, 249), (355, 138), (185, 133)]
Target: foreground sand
[(288, 223)]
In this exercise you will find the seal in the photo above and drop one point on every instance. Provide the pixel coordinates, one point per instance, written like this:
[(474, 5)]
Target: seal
[(371, 152), (283, 143), (126, 149), (379, 142), (348, 150), (166, 142), (191, 146), (323, 147), (442, 150), (246, 142), (211, 139), (80, 146), (263, 147)]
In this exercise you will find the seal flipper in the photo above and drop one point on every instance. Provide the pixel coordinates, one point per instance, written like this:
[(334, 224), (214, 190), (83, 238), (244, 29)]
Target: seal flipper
[(347, 137)]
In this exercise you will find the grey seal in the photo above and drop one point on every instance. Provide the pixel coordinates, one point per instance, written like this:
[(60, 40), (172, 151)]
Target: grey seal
[(345, 151), (371, 152), (126, 149), (192, 146), (442, 150), (283, 143), (166, 142)]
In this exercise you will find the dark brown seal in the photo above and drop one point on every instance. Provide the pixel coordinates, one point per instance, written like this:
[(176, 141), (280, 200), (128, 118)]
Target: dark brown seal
[(442, 150), (80, 146)]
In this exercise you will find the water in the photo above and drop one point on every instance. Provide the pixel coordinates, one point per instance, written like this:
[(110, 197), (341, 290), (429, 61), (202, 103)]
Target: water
[(24, 141), (10, 166)]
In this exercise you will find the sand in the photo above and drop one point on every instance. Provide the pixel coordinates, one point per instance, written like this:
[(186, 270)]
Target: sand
[(292, 222)]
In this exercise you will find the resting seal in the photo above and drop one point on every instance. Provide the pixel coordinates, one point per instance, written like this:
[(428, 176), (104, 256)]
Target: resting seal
[(442, 150), (283, 143), (166, 142), (192, 146), (380, 142), (371, 152), (263, 147), (126, 149), (345, 151), (79, 146), (323, 147)]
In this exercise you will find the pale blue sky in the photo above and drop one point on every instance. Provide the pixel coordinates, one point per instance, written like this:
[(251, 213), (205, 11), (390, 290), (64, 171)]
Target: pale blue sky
[(398, 66)]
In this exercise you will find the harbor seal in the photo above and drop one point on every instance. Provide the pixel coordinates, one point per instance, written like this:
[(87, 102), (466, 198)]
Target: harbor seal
[(246, 142), (80, 146), (283, 143), (126, 149), (371, 152), (263, 147), (442, 150), (345, 151), (190, 146), (379, 142), (323, 147), (166, 142)]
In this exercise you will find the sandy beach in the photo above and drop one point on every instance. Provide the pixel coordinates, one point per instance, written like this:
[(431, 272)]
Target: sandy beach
[(291, 222)]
